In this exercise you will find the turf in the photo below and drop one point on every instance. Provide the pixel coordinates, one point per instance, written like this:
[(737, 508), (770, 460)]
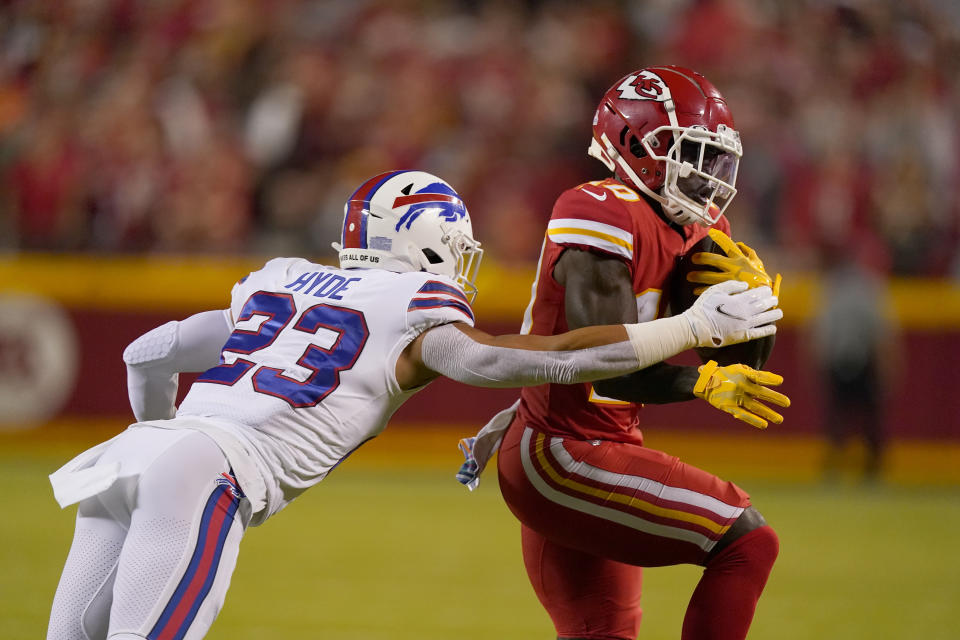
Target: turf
[(376, 553)]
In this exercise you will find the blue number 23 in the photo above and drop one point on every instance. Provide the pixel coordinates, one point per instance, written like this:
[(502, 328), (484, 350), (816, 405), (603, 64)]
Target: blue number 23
[(325, 363)]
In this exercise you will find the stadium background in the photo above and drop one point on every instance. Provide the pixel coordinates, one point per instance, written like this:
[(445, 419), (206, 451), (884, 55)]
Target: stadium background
[(152, 153)]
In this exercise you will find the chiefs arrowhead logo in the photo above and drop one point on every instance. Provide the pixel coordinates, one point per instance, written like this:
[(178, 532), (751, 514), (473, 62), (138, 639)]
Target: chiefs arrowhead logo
[(648, 87), (645, 86)]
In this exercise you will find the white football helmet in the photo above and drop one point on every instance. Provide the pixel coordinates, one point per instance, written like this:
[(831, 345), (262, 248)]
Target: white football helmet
[(410, 221)]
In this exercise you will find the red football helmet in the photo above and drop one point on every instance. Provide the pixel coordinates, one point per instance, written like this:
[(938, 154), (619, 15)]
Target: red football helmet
[(667, 131)]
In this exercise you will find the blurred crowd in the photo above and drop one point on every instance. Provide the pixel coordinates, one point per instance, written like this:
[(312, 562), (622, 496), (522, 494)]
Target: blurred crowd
[(226, 126)]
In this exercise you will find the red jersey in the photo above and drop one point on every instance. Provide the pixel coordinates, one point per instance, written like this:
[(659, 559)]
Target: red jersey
[(611, 218)]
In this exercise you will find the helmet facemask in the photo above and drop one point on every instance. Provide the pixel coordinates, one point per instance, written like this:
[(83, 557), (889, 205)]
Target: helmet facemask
[(701, 172), (467, 255)]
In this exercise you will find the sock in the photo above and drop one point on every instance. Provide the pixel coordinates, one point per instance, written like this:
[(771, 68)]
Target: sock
[(723, 603)]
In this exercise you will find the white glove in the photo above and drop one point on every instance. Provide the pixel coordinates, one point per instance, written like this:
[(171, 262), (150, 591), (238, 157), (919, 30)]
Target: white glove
[(731, 312)]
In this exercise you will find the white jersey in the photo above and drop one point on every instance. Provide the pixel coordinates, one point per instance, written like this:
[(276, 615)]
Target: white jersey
[(308, 374)]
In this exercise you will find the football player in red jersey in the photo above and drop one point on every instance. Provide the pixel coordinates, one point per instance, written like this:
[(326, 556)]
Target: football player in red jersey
[(595, 504)]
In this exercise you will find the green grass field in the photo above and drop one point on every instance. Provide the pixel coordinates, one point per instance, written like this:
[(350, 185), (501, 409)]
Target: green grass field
[(381, 551)]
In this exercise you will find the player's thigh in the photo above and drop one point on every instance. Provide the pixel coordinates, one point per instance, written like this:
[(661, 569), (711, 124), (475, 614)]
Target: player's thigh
[(621, 501), (180, 552), (586, 596), (81, 605)]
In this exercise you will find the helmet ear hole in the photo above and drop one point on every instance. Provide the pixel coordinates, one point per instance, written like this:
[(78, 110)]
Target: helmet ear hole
[(636, 148), (432, 256)]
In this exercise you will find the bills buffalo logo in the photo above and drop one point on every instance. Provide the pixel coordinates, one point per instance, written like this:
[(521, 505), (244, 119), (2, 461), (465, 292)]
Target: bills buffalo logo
[(645, 86), (229, 481), (436, 196)]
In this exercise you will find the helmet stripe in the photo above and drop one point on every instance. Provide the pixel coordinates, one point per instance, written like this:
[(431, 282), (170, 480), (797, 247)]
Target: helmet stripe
[(355, 226), (365, 191), (423, 197), (354, 232)]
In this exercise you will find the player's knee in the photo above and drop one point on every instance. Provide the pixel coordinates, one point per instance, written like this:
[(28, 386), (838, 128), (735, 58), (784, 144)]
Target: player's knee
[(754, 552), (765, 545), (750, 520)]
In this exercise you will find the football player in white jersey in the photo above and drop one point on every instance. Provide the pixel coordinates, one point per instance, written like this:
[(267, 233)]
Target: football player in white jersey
[(307, 364)]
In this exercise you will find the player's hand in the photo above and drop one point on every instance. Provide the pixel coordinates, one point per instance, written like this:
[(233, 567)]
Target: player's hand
[(730, 312), (740, 391), (741, 263)]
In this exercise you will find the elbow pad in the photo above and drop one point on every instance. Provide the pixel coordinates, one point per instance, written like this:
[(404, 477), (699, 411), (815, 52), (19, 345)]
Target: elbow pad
[(154, 359), (192, 344), (154, 347)]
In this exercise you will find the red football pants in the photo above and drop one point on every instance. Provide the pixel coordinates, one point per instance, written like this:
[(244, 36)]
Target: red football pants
[(594, 512)]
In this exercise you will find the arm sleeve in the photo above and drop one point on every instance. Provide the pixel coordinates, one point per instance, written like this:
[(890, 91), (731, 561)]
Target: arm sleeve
[(155, 359), (454, 354)]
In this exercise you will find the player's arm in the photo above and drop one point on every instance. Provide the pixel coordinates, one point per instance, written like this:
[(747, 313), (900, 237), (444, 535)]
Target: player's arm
[(599, 290), (155, 360), (469, 355)]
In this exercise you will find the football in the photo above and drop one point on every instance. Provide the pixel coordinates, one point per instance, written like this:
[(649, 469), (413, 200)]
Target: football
[(753, 353)]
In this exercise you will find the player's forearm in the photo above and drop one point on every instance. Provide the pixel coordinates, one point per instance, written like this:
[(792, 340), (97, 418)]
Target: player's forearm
[(514, 361), (661, 383), (152, 395), (583, 338)]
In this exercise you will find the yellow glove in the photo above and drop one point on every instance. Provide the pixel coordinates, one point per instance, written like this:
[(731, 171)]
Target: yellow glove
[(740, 263), (738, 390)]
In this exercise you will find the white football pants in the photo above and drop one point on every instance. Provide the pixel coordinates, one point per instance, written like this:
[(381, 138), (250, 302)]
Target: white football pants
[(152, 555)]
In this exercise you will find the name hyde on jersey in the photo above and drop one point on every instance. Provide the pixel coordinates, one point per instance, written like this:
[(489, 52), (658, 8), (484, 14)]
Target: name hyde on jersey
[(322, 284)]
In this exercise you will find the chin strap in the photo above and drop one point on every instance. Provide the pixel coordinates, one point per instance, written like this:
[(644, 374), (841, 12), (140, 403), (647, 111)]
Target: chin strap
[(680, 215)]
